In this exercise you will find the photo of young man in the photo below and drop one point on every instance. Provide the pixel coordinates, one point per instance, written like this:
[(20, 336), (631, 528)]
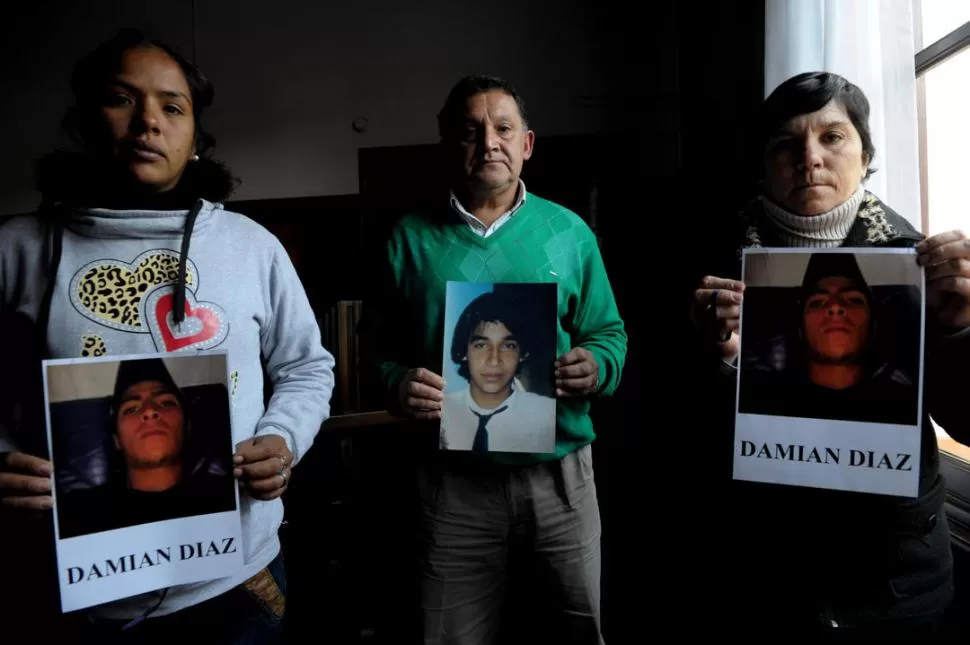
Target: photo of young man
[(501, 347), (152, 472), (837, 365)]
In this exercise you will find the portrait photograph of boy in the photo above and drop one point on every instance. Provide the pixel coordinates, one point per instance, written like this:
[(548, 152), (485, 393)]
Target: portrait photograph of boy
[(499, 349)]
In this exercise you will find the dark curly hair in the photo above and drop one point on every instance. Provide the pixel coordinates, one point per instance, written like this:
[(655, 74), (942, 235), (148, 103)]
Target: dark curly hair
[(495, 306), (85, 175)]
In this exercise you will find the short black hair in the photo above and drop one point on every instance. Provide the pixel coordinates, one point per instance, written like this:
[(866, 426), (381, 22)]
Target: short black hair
[(140, 370), (452, 112), (494, 306), (206, 178), (828, 265), (810, 91)]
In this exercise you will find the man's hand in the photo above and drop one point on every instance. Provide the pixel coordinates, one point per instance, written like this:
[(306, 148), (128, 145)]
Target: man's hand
[(421, 393), (946, 257), (25, 482), (262, 464), (716, 309), (577, 373)]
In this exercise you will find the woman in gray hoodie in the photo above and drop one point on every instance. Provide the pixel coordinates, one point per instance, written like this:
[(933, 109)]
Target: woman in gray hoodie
[(132, 253)]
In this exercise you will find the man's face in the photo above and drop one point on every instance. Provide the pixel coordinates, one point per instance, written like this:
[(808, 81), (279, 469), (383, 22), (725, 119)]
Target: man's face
[(493, 143), (150, 425), (494, 355), (836, 319)]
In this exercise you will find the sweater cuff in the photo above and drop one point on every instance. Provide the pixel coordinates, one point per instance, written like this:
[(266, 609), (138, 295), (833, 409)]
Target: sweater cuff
[(393, 375), (287, 439), (603, 375)]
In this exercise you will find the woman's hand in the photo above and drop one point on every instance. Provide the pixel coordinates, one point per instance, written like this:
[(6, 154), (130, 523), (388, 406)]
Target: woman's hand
[(716, 311), (946, 257), (25, 482), (262, 464)]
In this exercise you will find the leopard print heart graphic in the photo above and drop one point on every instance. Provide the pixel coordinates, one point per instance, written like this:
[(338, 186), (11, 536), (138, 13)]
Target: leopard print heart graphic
[(109, 292)]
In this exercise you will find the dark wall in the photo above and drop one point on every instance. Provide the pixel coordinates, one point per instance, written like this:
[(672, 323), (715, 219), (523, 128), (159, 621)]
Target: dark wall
[(669, 161), (652, 457), (292, 76)]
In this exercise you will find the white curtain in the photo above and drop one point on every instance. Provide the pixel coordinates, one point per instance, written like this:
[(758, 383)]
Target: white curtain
[(869, 42)]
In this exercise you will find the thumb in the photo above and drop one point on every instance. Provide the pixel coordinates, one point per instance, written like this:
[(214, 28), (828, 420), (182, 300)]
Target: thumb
[(241, 448)]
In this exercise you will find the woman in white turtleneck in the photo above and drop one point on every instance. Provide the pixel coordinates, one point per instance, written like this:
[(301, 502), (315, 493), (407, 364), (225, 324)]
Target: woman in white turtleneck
[(830, 563)]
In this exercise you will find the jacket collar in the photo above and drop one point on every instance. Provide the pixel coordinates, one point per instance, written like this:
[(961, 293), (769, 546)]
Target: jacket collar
[(875, 225)]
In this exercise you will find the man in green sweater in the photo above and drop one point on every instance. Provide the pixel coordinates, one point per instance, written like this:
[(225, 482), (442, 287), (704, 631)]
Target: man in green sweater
[(478, 507)]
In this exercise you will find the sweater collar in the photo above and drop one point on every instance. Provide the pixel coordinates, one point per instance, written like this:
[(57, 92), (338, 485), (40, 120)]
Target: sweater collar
[(476, 224), (827, 229), (875, 224), (112, 223)]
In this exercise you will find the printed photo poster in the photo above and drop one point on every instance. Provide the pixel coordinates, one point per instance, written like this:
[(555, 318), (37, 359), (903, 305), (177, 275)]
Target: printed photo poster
[(831, 368), (499, 351), (144, 496)]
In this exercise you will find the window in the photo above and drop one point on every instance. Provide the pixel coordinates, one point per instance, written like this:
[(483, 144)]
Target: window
[(942, 34), (942, 38)]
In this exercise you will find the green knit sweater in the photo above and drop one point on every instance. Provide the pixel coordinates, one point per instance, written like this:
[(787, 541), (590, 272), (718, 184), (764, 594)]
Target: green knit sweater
[(542, 242)]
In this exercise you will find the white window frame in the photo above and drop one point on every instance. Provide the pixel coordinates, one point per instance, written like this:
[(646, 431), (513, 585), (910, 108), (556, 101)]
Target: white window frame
[(928, 57)]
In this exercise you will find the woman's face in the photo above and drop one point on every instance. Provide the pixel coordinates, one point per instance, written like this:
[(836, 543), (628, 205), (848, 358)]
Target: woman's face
[(815, 161), (148, 113)]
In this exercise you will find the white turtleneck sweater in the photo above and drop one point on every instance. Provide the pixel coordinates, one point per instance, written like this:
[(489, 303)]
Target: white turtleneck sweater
[(826, 230)]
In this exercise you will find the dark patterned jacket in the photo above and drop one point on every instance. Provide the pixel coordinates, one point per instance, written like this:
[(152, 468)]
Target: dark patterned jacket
[(826, 559)]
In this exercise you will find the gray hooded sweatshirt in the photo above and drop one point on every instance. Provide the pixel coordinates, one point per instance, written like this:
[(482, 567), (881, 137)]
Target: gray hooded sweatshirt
[(115, 291)]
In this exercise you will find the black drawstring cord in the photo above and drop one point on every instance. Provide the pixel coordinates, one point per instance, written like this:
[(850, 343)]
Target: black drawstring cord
[(148, 612), (178, 308)]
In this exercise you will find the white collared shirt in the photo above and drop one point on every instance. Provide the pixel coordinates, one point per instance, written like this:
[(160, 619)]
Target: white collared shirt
[(527, 425), (477, 225)]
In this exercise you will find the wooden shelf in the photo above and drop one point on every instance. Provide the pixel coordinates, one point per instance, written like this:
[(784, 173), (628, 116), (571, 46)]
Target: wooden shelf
[(954, 448), (360, 420)]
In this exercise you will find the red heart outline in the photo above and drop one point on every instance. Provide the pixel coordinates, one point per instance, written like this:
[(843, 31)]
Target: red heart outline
[(210, 323)]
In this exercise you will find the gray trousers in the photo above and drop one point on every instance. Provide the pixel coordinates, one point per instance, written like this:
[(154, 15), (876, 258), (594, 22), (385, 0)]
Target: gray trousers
[(476, 514)]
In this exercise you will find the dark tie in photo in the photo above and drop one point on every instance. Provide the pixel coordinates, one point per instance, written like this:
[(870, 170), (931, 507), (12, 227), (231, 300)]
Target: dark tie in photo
[(481, 435)]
